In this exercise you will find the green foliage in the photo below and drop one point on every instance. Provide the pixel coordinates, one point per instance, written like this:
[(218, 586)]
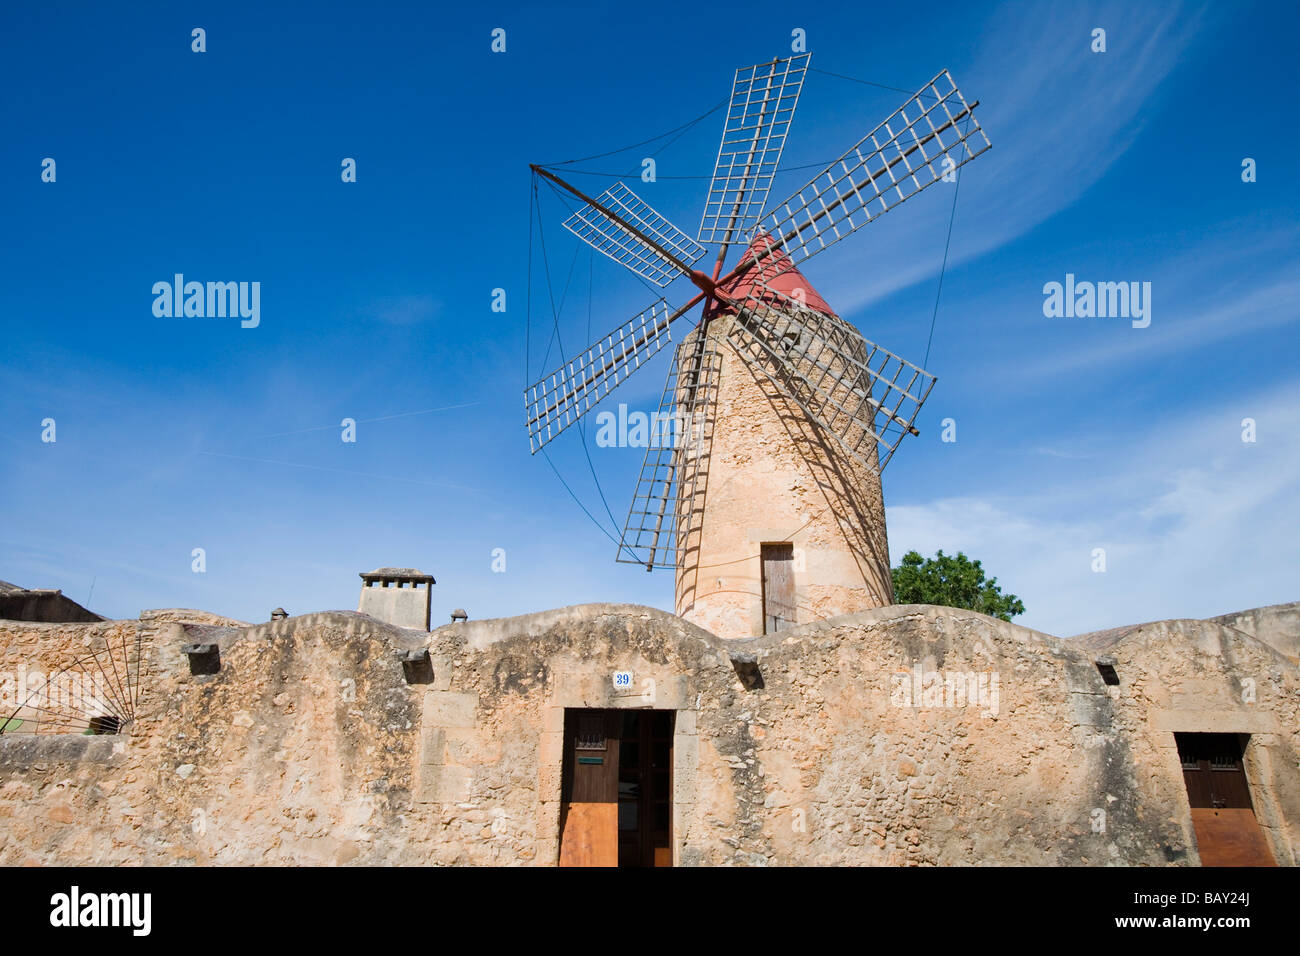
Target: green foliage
[(952, 582), (9, 726)]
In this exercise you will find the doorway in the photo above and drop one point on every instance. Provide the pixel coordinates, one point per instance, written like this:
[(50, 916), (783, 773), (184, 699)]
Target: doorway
[(779, 610), (616, 788), (1227, 833)]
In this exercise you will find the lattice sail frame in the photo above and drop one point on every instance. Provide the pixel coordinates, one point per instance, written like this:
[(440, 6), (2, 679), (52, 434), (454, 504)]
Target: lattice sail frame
[(90, 689), (606, 236), (903, 155), (862, 395), (763, 101), (564, 396), (667, 500)]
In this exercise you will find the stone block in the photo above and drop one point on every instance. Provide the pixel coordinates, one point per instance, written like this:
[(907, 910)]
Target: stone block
[(443, 783), (672, 693), (433, 745), (448, 709), (1090, 710), (553, 720), (442, 671), (550, 766), (1215, 721), (468, 748), (686, 723)]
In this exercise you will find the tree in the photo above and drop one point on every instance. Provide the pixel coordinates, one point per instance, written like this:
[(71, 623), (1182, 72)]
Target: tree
[(952, 582)]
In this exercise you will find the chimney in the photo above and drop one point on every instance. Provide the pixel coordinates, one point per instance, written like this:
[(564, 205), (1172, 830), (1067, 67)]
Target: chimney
[(398, 596)]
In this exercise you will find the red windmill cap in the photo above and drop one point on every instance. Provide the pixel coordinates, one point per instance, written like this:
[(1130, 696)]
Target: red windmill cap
[(777, 272)]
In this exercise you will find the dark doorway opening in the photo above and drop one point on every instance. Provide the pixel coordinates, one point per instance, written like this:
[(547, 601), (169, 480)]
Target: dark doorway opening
[(105, 724), (645, 806), (616, 788), (1227, 832)]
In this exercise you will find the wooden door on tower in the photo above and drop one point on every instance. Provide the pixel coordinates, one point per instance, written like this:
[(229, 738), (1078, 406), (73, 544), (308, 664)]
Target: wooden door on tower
[(1227, 832), (778, 586)]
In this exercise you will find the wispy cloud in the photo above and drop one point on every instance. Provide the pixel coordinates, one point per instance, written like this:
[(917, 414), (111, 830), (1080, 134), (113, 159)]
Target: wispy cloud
[(365, 421), (1257, 292), (1193, 521), (1059, 117), (403, 310), (1057, 453), (342, 471), (1189, 322)]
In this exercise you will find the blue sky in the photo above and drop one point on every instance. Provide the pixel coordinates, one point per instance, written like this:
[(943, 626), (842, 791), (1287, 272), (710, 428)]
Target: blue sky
[(1073, 434)]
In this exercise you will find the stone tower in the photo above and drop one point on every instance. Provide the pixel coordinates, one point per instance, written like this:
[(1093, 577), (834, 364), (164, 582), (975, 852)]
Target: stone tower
[(790, 528), (400, 596)]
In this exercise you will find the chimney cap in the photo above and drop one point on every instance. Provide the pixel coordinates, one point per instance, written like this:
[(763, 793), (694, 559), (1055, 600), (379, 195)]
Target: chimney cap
[(459, 615), (400, 574)]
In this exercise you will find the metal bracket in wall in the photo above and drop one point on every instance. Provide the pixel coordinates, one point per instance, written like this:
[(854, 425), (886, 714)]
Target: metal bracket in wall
[(205, 658), (747, 670), (417, 667)]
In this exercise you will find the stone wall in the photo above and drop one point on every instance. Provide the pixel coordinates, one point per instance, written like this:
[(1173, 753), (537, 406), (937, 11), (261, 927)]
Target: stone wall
[(902, 735), (20, 604), (1277, 625), (1205, 677)]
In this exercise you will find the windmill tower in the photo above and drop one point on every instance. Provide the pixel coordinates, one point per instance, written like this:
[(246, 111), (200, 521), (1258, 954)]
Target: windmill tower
[(766, 502)]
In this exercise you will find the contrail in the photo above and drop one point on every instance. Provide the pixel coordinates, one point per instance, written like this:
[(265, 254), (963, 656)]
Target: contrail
[(366, 421)]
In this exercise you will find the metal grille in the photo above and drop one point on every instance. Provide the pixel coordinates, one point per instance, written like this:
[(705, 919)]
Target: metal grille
[(669, 492), (591, 732), (895, 161), (763, 100), (564, 396), (624, 246), (859, 393)]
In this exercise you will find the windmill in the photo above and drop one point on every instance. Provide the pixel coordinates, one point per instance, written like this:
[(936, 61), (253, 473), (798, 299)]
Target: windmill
[(770, 374)]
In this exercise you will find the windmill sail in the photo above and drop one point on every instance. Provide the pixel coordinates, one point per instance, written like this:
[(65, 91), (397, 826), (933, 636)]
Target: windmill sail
[(669, 252), (930, 135), (863, 396), (561, 398), (763, 101), (669, 491)]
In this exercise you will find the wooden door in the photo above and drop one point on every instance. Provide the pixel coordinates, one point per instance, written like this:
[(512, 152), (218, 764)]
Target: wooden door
[(589, 788), (778, 586), (1227, 833)]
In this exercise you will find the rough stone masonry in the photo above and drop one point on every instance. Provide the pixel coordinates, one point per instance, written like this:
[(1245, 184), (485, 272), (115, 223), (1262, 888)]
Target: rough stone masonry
[(317, 740)]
